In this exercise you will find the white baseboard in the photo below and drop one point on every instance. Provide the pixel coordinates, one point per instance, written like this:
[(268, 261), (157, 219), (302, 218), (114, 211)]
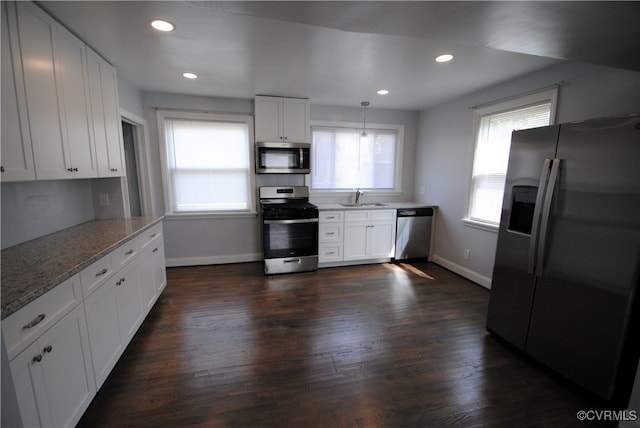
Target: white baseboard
[(214, 260), (462, 271)]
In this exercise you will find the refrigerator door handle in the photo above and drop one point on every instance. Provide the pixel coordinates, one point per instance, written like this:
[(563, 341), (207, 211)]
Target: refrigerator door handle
[(533, 241), (546, 209)]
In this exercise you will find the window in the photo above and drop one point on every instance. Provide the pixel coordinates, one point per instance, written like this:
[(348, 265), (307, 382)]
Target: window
[(495, 123), (343, 160), (208, 162)]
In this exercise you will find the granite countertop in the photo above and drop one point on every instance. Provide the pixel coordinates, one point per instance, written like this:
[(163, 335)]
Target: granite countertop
[(32, 268), (387, 205)]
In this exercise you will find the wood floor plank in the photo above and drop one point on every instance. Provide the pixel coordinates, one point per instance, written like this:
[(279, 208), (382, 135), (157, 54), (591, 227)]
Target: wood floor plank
[(365, 346)]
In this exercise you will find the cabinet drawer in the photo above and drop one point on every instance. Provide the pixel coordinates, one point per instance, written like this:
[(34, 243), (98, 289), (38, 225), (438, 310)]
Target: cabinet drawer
[(96, 274), (381, 215), (330, 253), (331, 216), (357, 215), (125, 253), (331, 232), (23, 327), (150, 235)]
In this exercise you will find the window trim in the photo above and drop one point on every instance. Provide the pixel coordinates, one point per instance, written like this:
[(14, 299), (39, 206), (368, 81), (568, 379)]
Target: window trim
[(399, 157), (511, 103), (163, 115)]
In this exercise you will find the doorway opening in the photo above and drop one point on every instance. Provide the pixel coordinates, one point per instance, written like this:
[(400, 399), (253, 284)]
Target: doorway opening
[(129, 140)]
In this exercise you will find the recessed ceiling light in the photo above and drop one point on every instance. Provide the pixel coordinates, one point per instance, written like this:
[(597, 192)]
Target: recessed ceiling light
[(162, 25), (383, 92), (189, 75), (444, 58)]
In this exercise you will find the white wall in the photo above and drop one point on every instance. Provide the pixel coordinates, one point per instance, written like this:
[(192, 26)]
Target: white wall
[(237, 239), (37, 208), (129, 97), (446, 145)]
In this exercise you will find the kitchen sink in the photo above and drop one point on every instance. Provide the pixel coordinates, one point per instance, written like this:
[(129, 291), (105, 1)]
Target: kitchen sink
[(362, 205)]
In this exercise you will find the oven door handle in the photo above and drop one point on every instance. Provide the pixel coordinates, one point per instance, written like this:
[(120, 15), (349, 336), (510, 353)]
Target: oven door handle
[(297, 221)]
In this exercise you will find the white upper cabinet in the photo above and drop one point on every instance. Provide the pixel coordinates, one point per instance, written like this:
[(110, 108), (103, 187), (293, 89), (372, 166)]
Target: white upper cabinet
[(282, 119), (53, 66), (105, 113), (17, 157), (60, 110)]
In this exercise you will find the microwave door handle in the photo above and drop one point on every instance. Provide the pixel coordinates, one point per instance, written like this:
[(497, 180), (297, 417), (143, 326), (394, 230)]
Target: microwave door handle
[(301, 158)]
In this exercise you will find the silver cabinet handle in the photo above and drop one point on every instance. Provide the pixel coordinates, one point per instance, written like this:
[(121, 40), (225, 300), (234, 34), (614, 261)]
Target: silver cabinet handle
[(128, 252), (533, 240), (37, 320), (47, 349), (555, 166), (102, 272), (37, 358)]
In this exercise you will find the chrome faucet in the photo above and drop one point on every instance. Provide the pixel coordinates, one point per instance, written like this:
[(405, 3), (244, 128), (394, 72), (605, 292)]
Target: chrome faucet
[(358, 194)]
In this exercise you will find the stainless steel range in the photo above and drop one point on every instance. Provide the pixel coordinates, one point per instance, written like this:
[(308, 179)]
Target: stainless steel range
[(289, 230)]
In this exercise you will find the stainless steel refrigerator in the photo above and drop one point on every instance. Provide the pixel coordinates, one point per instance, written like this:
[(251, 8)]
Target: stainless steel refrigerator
[(567, 270)]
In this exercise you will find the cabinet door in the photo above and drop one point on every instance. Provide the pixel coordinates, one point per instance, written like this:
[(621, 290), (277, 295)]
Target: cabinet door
[(105, 115), (67, 370), (53, 377), (73, 99), (104, 332), (381, 239), (295, 120), (355, 240), (268, 119), (159, 266), (26, 374), (36, 48), (147, 279), (129, 298), (17, 156)]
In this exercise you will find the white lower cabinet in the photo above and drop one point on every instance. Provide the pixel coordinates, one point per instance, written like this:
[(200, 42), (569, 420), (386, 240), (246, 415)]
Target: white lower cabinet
[(61, 347), (114, 313), (356, 235), (331, 235), (53, 377), (152, 266)]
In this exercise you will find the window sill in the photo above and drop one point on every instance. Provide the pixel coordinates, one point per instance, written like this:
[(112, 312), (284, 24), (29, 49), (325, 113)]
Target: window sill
[(489, 227), (208, 216)]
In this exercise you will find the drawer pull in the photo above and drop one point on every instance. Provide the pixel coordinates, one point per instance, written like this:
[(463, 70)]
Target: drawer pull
[(330, 217), (102, 272), (331, 233), (37, 320), (128, 252), (153, 235)]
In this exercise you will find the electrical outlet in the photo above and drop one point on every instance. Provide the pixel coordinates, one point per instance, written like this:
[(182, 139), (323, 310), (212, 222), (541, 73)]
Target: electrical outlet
[(467, 254), (422, 190), (104, 199)]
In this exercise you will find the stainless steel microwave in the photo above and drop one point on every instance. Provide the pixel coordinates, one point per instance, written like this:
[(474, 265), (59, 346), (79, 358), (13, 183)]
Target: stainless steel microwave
[(283, 158)]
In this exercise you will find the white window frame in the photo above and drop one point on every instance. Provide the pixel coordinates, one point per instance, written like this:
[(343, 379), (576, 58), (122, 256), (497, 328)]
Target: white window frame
[(163, 115), (512, 103), (399, 156)]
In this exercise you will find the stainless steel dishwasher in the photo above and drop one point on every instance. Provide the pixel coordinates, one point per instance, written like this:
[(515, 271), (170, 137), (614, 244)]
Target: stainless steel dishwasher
[(413, 233)]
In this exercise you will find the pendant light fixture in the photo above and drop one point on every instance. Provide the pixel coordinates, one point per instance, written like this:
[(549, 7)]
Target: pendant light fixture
[(364, 104)]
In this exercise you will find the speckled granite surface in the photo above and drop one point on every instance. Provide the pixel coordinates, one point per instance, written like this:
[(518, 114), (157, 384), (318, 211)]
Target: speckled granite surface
[(31, 269)]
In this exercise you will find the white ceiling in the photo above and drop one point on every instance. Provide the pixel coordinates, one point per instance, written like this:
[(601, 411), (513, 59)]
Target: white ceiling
[(341, 52)]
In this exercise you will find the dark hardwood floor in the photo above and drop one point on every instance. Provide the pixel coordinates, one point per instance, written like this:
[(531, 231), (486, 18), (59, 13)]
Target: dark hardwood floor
[(365, 346)]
